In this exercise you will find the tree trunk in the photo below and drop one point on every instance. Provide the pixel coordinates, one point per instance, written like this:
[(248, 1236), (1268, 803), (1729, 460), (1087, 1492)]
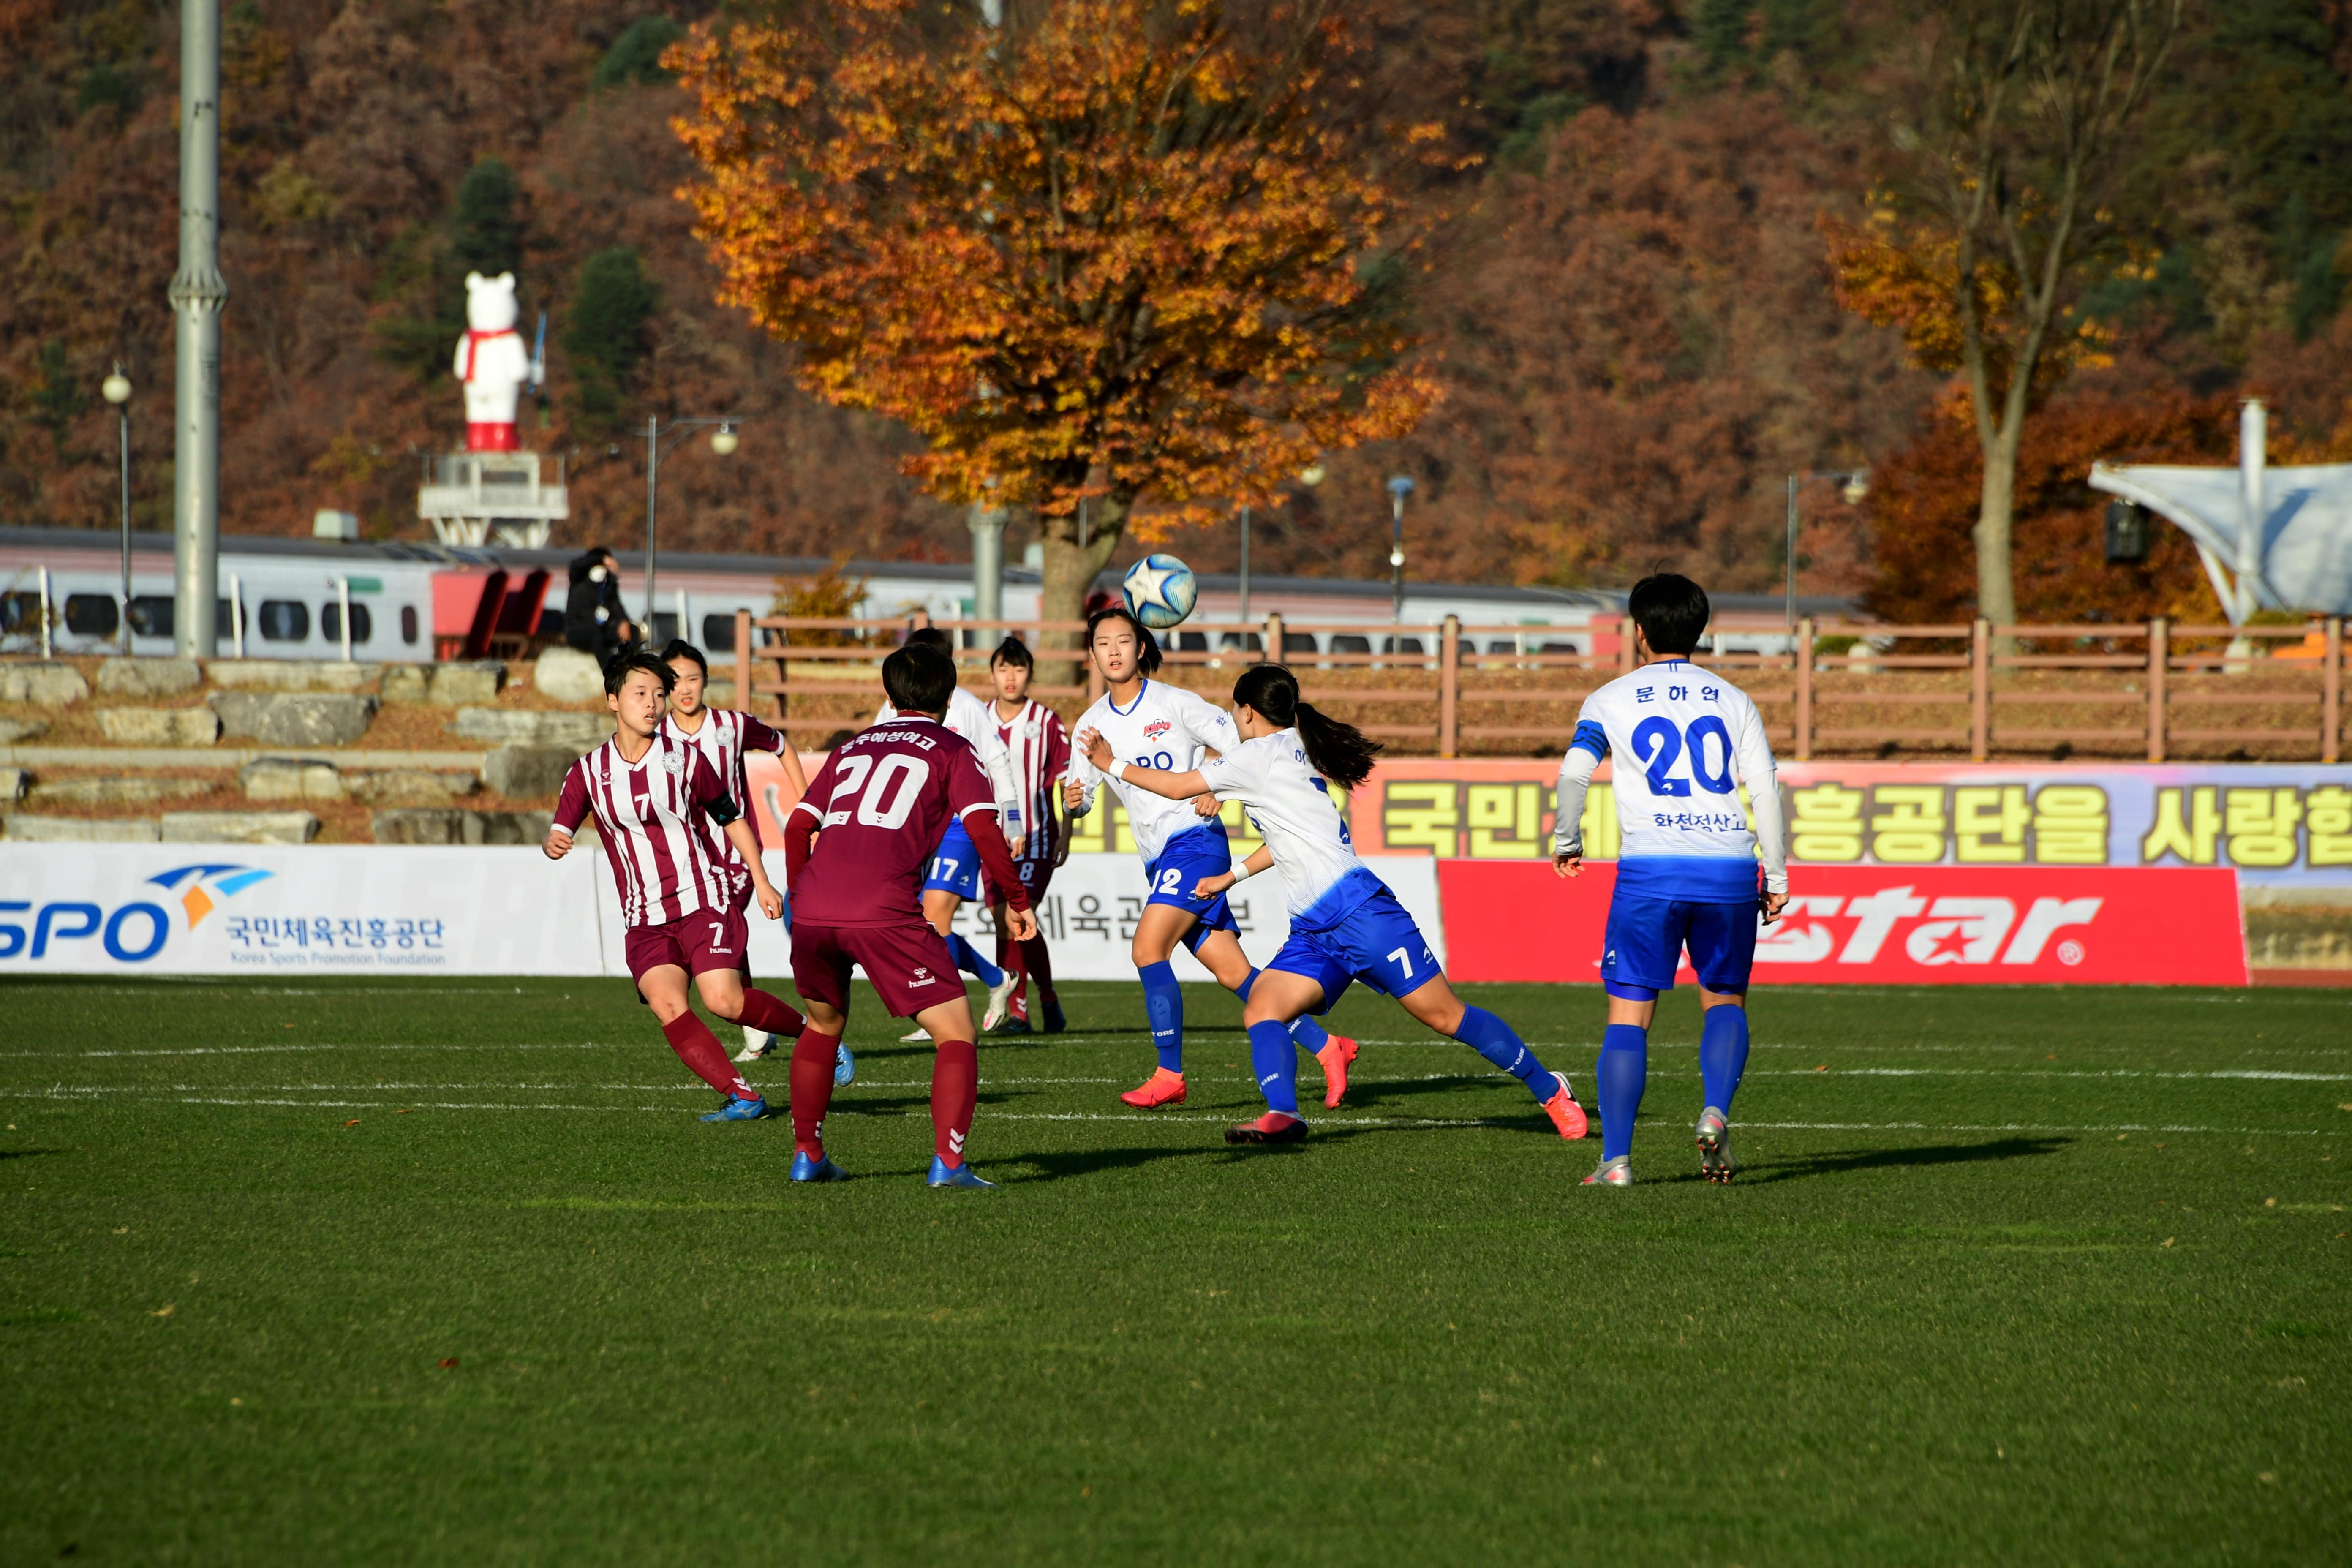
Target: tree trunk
[(1996, 509), (1070, 571)]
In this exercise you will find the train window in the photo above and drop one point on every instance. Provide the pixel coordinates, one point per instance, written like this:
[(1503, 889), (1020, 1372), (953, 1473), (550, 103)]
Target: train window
[(408, 623), (665, 628), (1351, 642), (1235, 641), (91, 615), (718, 634), (150, 614), (285, 620), (224, 624), (1392, 645), (330, 623), (1297, 642), (20, 613), (1191, 642)]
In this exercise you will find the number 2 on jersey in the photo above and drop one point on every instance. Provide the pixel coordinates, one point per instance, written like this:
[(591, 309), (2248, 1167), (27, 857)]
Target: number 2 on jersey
[(1659, 745)]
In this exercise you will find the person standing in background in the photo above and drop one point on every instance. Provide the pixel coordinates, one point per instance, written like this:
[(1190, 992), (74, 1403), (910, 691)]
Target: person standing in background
[(1038, 744), (594, 620)]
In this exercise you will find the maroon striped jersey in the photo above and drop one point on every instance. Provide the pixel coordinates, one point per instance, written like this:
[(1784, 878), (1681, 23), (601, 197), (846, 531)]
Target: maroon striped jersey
[(1039, 746), (662, 820), (881, 802), (724, 738)]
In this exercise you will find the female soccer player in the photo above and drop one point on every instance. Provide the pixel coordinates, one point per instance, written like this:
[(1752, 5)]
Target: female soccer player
[(1345, 924), (656, 803), (1163, 729), (723, 737), (882, 800), (1038, 747), (954, 877)]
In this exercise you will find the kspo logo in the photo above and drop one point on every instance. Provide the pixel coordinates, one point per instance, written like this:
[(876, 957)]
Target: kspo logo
[(1958, 929), (131, 932)]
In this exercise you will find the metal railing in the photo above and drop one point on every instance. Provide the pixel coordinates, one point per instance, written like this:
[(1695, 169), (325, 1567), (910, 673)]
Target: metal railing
[(1967, 688)]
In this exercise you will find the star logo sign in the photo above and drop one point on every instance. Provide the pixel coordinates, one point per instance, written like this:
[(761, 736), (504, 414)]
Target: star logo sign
[(202, 889)]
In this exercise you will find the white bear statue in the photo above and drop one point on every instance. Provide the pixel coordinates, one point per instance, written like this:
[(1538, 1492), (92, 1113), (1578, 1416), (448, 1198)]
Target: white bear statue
[(493, 364)]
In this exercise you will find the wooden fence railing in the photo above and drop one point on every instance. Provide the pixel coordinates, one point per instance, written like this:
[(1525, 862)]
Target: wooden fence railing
[(1965, 689)]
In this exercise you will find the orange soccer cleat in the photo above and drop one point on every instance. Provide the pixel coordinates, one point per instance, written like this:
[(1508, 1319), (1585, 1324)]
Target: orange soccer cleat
[(1162, 1088), (1336, 1056), (1565, 1113), (1273, 1127)]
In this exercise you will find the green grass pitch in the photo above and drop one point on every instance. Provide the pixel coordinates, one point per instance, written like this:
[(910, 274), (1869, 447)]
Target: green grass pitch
[(323, 1272)]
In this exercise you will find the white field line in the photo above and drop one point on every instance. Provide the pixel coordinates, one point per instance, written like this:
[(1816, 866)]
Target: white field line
[(65, 1094)]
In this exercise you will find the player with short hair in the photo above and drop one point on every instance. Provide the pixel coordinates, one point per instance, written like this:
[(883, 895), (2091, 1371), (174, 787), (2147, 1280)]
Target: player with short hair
[(725, 737), (882, 800), (1686, 740), (660, 808), (1345, 924), (1151, 725), (1039, 749), (953, 879)]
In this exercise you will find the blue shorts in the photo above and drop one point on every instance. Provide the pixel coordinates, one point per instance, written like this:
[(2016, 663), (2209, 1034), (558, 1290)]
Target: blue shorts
[(955, 864), (1375, 942), (1646, 938), (1195, 853)]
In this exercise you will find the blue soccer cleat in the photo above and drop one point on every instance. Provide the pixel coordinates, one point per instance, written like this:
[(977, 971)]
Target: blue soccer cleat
[(946, 1175), (818, 1170), (845, 1066), (738, 1111)]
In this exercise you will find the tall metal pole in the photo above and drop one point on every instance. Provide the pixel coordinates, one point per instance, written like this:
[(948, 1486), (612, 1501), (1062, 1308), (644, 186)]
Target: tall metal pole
[(1245, 521), (1399, 487), (1791, 562), (123, 414), (198, 295), (653, 471), (987, 525), (2253, 434)]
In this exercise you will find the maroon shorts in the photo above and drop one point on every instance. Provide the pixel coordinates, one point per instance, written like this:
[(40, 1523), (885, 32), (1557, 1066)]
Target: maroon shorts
[(909, 965), (698, 943), (1035, 876)]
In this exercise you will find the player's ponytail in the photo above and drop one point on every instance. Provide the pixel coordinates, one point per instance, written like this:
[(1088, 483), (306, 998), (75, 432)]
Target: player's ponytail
[(1341, 752)]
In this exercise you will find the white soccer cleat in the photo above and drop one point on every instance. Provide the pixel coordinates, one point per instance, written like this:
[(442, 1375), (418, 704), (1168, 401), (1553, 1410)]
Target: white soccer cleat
[(757, 1043), (917, 1033), (1714, 1138), (1000, 1001)]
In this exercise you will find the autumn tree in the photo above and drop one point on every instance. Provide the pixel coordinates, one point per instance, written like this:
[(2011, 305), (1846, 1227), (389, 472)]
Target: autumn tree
[(1108, 255), (2010, 137)]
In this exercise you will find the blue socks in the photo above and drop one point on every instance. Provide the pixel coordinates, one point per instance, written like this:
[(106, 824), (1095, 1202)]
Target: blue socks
[(1276, 1061), (1622, 1070), (1311, 1035), (967, 958), (1723, 1054), (1163, 1005), (1492, 1038)]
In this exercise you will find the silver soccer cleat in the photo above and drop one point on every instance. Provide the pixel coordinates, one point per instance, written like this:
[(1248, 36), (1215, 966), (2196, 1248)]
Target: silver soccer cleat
[(1616, 1173), (757, 1043), (1714, 1138)]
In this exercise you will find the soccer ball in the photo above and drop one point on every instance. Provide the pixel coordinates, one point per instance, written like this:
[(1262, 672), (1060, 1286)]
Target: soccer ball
[(1160, 590)]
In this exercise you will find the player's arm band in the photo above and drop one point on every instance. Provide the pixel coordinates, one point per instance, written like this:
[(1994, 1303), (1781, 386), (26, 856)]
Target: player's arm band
[(722, 811)]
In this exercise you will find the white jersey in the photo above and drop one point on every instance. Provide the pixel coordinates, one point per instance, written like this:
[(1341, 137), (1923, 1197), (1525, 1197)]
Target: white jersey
[(1684, 739), (976, 722), (1293, 811), (1166, 729)]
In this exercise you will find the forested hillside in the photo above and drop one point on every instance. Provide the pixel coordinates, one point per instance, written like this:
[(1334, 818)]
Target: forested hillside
[(1627, 303)]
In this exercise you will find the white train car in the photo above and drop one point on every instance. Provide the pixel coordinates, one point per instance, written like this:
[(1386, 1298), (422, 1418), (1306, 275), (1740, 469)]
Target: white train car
[(279, 598)]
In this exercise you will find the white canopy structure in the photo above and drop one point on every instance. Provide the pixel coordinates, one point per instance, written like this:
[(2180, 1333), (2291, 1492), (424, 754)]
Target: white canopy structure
[(2277, 539)]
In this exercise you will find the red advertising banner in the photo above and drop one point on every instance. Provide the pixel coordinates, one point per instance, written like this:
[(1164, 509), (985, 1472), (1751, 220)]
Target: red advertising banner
[(1911, 925)]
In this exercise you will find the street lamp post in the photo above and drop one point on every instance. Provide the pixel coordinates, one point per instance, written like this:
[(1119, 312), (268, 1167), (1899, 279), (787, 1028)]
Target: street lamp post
[(723, 441), (117, 390), (1853, 485), (1399, 487)]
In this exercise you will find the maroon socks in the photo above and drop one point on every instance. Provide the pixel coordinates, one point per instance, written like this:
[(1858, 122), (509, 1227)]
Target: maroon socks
[(955, 1091), (812, 1089), (699, 1049), (769, 1014)]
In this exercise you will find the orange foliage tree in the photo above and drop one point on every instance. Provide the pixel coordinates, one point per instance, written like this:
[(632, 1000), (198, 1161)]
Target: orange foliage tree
[(1924, 500), (2009, 134), (1118, 252)]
